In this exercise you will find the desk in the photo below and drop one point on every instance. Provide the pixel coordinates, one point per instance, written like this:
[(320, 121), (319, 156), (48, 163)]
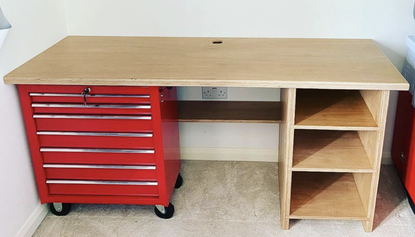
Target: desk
[(334, 100)]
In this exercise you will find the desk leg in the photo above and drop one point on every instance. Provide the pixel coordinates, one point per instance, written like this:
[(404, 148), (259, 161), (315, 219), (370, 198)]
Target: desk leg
[(286, 153), (379, 110)]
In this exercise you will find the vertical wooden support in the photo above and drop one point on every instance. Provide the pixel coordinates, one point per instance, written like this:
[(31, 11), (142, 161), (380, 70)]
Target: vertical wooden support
[(380, 117), (286, 153)]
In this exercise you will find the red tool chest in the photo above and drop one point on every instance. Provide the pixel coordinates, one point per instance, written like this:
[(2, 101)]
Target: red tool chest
[(103, 144), (403, 146)]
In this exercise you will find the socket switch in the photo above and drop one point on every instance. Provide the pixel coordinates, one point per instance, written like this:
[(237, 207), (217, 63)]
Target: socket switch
[(214, 92)]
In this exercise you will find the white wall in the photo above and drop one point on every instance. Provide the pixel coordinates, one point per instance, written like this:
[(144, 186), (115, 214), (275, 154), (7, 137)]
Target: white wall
[(388, 22), (37, 24)]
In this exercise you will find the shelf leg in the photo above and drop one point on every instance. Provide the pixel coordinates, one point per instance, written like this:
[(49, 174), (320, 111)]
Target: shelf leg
[(368, 226), (377, 102), (285, 223)]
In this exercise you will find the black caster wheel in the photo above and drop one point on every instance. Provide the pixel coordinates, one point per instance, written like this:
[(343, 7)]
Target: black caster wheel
[(179, 181), (60, 209), (164, 212)]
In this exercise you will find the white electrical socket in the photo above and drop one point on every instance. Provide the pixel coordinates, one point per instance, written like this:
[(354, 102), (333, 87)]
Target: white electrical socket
[(214, 92)]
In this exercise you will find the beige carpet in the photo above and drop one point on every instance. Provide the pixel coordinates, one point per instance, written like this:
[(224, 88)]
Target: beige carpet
[(230, 199)]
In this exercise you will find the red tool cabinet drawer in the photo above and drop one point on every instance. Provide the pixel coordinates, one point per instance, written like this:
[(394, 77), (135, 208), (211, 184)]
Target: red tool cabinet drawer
[(101, 172), (96, 95), (96, 140), (93, 123), (115, 188), (98, 156), (116, 109), (90, 99)]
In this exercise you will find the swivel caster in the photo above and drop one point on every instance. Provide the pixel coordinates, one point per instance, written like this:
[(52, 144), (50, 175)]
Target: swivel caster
[(164, 212), (179, 181), (60, 209)]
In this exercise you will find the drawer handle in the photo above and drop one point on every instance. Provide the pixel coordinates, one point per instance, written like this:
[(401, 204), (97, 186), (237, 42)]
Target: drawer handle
[(89, 117), (91, 106), (88, 95), (98, 182), (96, 150), (124, 167), (97, 134)]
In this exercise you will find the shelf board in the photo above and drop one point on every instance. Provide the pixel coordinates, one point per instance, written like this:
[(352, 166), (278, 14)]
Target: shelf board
[(334, 109), (325, 196), (329, 151), (229, 111)]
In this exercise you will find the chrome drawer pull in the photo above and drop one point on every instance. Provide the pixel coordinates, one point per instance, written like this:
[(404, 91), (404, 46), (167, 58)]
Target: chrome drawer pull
[(90, 117), (98, 182), (96, 150), (91, 106), (124, 167), (120, 96), (89, 95), (103, 134)]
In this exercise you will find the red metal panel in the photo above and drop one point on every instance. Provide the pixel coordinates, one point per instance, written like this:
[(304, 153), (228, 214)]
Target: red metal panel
[(93, 125), (96, 141), (101, 174), (89, 100), (404, 141), (401, 136), (409, 171), (98, 158), (33, 142), (102, 199), (167, 143), (95, 90), (158, 145), (86, 110), (171, 146), (99, 189)]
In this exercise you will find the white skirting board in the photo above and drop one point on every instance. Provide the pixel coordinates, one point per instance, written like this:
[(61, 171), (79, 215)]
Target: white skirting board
[(387, 158), (243, 154), (33, 221)]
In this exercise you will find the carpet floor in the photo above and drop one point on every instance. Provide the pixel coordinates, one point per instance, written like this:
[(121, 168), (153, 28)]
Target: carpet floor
[(221, 198)]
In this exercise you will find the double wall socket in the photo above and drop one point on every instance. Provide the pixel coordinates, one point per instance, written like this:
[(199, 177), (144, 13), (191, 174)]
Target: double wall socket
[(214, 92)]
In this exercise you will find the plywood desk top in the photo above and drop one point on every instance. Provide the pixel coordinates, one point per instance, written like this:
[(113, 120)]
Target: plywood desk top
[(239, 62)]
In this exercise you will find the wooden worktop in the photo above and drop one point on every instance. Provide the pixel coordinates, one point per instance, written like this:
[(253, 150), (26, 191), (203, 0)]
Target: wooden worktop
[(239, 62)]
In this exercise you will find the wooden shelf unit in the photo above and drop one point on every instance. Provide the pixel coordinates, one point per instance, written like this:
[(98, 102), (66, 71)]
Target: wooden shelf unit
[(330, 160)]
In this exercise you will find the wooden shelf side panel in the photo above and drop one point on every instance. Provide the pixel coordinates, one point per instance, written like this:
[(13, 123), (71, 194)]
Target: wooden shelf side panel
[(369, 141), (332, 108), (329, 151), (229, 111), (286, 141), (374, 146), (363, 183), (325, 196), (373, 101)]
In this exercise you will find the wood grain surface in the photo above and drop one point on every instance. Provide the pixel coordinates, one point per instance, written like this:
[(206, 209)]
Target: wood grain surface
[(325, 196), (332, 108), (239, 62), (334, 151)]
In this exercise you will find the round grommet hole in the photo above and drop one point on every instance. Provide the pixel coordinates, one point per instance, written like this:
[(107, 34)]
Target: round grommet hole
[(217, 42)]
